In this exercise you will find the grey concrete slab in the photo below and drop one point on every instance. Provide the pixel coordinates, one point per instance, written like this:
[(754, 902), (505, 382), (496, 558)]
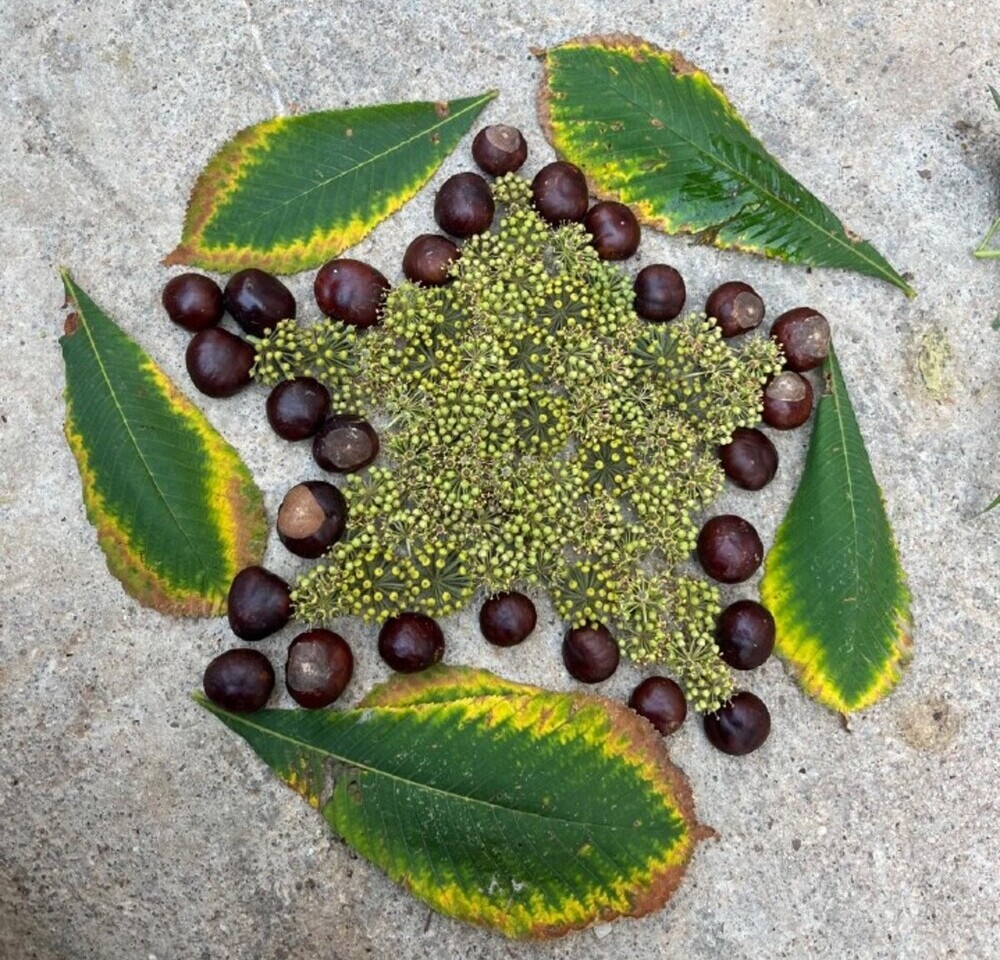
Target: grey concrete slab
[(133, 826)]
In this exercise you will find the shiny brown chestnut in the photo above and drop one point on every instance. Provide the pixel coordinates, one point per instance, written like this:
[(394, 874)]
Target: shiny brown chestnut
[(804, 336), (506, 619), (464, 205), (297, 408), (311, 518), (613, 229), (590, 653), (410, 642), (350, 291), (744, 634), (259, 603), (193, 301), (345, 443), (219, 362), (659, 292), (428, 259), (499, 149), (740, 726), (788, 400), (729, 548), (318, 668), (661, 701), (239, 680), (736, 306), (750, 460), (257, 301), (560, 193)]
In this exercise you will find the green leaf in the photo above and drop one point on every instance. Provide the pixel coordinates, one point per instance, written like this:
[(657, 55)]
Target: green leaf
[(832, 578), (650, 129), (501, 804), (292, 192), (177, 513)]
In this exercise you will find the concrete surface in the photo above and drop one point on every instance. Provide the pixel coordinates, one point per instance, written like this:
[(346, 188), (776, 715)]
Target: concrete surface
[(134, 826)]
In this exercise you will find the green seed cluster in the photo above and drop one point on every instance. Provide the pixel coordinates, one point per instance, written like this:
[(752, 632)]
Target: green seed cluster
[(539, 433)]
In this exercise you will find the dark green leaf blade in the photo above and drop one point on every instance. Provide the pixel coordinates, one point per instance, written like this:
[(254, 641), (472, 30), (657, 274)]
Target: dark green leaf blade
[(497, 803), (176, 511), (832, 578), (655, 132), (291, 192)]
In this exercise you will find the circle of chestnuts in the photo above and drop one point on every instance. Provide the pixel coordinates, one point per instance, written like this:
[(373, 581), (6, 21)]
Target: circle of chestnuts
[(313, 514)]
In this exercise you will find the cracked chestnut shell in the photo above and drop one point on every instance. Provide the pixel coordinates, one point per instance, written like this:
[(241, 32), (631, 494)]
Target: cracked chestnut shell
[(729, 548), (259, 603), (297, 408), (659, 292), (788, 400), (560, 193), (740, 726), (804, 336), (193, 301), (311, 518), (219, 362), (661, 701), (590, 653), (750, 460), (345, 443), (464, 205), (736, 306), (428, 259), (350, 291), (239, 680), (745, 634), (614, 230), (499, 149), (410, 642), (506, 619), (257, 301), (318, 668)]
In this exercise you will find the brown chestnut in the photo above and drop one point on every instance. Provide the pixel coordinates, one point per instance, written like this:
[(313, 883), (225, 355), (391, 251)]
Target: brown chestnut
[(345, 443), (311, 518), (350, 291), (464, 205), (219, 362), (257, 301), (804, 336), (736, 307), (788, 399), (499, 149), (428, 259)]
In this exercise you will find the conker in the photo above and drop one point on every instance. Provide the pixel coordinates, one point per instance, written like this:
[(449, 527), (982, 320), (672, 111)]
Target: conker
[(736, 307), (804, 336), (499, 149), (506, 619), (750, 460), (193, 301), (311, 518), (410, 642), (318, 668), (219, 362), (659, 292), (745, 634), (464, 205), (661, 701), (560, 193), (259, 603), (297, 408), (590, 653), (239, 680), (428, 259), (350, 291), (788, 400), (739, 726), (614, 230), (345, 443), (729, 548), (257, 301)]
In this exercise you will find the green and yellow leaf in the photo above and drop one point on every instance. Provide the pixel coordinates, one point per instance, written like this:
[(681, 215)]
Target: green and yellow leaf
[(176, 511), (500, 804), (652, 130), (833, 579), (292, 192)]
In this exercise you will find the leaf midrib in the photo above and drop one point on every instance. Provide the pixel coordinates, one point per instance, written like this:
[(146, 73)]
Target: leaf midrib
[(372, 159), (84, 322), (881, 272), (244, 720)]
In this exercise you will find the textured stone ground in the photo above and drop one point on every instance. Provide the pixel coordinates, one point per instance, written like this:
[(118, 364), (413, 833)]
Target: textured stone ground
[(134, 826)]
